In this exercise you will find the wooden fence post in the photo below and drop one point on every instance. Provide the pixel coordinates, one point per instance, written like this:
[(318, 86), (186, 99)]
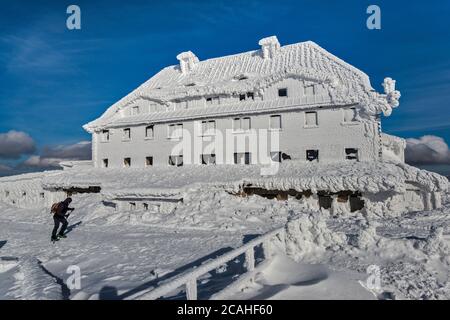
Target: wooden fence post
[(191, 289), (250, 259)]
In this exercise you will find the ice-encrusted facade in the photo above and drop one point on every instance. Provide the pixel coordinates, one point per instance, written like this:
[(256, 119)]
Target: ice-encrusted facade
[(312, 105)]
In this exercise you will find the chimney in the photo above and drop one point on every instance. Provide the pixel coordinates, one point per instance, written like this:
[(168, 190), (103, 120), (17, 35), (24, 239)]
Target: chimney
[(269, 46), (187, 61)]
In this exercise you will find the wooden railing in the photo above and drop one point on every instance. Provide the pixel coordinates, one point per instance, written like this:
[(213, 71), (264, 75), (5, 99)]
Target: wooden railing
[(189, 279)]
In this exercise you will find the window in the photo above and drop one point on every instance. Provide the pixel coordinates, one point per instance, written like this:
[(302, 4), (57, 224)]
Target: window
[(149, 132), (208, 127), (213, 100), (208, 158), (105, 163), (241, 124), (311, 119), (312, 155), (135, 111), (126, 134), (309, 91), (148, 161), (127, 162), (176, 161), (245, 96), (282, 92), (105, 135), (175, 131), (42, 195), (275, 122), (132, 206), (145, 206), (275, 156), (351, 154), (242, 158), (349, 115)]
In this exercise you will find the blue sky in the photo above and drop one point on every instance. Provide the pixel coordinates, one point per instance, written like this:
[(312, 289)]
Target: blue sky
[(54, 80)]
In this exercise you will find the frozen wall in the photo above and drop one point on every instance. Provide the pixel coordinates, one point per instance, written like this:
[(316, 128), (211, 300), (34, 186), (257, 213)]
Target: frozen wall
[(331, 137)]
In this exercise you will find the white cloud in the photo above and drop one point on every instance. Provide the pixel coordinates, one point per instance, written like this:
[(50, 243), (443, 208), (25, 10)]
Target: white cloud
[(14, 144), (427, 150)]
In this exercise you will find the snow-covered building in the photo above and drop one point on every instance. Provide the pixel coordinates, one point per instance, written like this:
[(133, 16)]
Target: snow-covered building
[(299, 100), (296, 108)]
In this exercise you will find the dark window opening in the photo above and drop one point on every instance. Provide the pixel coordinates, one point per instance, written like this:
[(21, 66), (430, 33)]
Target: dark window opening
[(282, 92), (208, 158), (148, 161), (325, 201), (351, 154), (105, 163), (356, 203), (242, 158), (276, 156), (312, 155), (241, 97), (250, 95), (176, 161), (127, 162)]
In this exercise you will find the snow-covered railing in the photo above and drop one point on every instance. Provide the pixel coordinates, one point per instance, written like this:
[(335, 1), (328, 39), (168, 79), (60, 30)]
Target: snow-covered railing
[(189, 279)]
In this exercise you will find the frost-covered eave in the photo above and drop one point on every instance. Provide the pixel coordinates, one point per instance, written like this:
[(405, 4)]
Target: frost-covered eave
[(222, 111)]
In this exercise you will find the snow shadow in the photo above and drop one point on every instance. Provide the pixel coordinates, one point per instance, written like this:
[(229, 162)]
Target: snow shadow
[(65, 291), (73, 226), (110, 292), (2, 243), (218, 279)]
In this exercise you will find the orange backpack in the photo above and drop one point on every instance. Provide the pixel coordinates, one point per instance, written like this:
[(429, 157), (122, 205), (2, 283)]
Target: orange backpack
[(54, 208)]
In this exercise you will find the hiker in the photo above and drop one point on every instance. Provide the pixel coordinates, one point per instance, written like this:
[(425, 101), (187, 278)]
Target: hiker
[(59, 216)]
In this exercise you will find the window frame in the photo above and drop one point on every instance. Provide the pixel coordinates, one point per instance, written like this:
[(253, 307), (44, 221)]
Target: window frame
[(124, 138), (175, 127), (284, 89), (235, 158), (125, 162), (349, 156), (176, 163), (146, 161), (317, 155), (352, 122), (105, 133), (146, 132), (280, 122), (306, 119)]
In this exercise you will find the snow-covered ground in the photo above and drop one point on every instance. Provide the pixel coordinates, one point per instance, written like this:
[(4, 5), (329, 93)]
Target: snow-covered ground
[(121, 253)]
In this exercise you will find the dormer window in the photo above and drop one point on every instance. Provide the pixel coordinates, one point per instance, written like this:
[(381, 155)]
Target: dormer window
[(245, 96), (135, 111), (213, 100), (282, 92)]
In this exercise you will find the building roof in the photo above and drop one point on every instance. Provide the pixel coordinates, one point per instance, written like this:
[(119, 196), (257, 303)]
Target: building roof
[(251, 71)]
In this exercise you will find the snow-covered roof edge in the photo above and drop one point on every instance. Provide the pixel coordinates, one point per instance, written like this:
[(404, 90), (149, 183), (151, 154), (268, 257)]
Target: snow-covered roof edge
[(147, 90)]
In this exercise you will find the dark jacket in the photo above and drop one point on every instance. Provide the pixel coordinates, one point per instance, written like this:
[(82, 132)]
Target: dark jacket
[(63, 208)]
